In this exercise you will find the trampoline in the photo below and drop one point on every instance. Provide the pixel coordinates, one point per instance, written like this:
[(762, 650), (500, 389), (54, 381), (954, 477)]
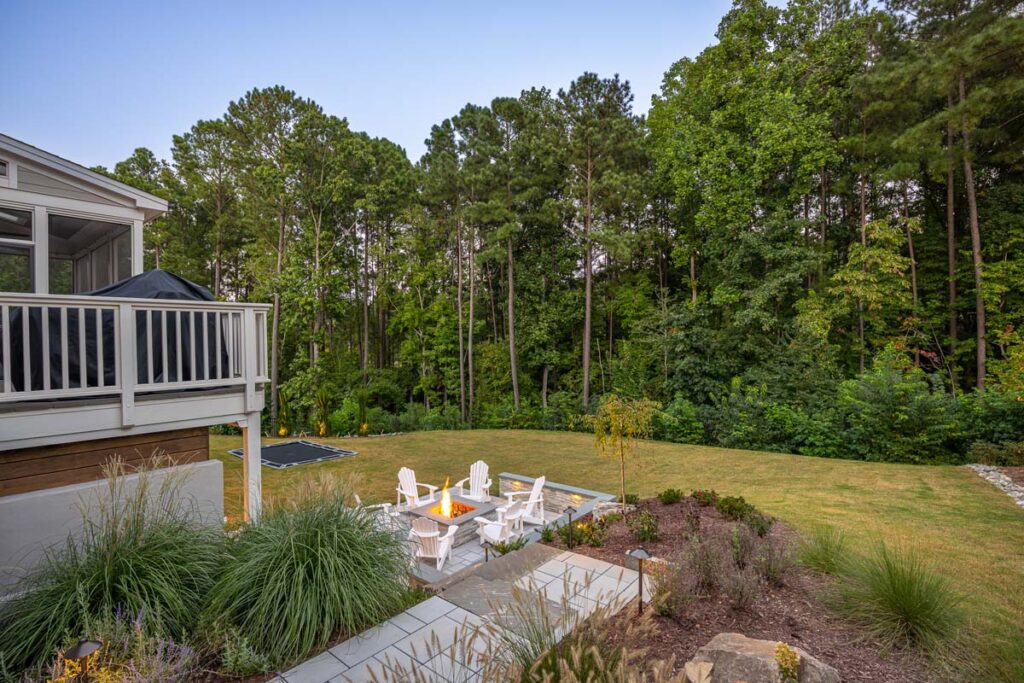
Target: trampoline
[(291, 453)]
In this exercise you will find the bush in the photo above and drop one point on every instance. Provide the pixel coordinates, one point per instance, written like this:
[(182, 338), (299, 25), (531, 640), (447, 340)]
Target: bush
[(744, 544), (590, 533), (547, 533), (742, 588), (644, 526), (145, 553), (631, 498), (896, 413), (772, 562), (238, 658), (1008, 454), (506, 547), (759, 523), (611, 518), (898, 599), (670, 496), (679, 423), (307, 572), (733, 507), (705, 497), (824, 549)]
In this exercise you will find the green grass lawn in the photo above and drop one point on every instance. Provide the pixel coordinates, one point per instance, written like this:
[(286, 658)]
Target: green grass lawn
[(972, 531)]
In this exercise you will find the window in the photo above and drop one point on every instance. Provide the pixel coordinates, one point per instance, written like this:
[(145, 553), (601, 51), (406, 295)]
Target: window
[(3, 169), (15, 268), (101, 266), (61, 275), (83, 276), (15, 224)]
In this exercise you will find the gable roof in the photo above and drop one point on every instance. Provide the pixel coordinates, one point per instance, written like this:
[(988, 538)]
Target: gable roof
[(150, 204)]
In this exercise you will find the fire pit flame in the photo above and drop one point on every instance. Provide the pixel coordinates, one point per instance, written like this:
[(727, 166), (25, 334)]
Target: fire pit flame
[(448, 508), (446, 501)]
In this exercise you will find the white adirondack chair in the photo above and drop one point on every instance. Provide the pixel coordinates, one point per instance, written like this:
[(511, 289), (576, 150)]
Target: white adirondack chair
[(430, 544), (384, 514), (533, 509), (409, 488), (479, 483), (503, 528)]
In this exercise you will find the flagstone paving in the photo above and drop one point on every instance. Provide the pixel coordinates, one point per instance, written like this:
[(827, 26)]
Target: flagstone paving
[(433, 637)]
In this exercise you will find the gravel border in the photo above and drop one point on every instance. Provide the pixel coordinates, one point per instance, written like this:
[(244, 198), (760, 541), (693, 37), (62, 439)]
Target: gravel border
[(1001, 482)]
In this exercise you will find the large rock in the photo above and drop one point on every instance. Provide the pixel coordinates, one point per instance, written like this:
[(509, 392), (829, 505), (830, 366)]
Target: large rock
[(736, 658)]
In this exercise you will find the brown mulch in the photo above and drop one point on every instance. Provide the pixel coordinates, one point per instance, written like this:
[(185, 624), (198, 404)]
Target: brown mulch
[(792, 613), (1016, 474)]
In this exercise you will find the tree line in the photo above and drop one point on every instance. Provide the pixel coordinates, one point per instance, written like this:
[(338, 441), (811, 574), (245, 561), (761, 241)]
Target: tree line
[(833, 189)]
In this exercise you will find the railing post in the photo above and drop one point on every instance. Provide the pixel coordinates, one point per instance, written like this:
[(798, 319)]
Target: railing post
[(127, 362), (249, 346)]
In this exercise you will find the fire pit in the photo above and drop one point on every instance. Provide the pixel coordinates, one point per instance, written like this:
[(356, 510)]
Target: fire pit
[(453, 509)]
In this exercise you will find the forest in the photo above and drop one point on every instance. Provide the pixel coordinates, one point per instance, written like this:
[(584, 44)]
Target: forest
[(813, 242)]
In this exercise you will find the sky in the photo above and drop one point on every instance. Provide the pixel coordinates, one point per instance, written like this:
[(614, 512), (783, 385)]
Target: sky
[(91, 81)]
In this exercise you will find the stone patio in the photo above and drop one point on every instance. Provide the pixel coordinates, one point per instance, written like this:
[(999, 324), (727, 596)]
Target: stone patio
[(432, 637)]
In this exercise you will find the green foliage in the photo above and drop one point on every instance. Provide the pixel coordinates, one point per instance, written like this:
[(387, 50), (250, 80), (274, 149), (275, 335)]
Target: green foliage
[(894, 413), (589, 533), (629, 498), (898, 599), (759, 523), (644, 526), (506, 547), (824, 549), (238, 658), (705, 497), (324, 568), (679, 422), (144, 552), (733, 507), (670, 496), (547, 533), (1010, 454)]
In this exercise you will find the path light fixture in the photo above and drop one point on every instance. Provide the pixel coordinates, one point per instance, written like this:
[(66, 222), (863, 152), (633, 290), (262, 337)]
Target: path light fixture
[(80, 654), (570, 510), (488, 546), (639, 554)]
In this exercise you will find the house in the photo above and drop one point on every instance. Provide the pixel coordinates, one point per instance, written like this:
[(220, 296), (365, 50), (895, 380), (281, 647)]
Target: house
[(84, 378)]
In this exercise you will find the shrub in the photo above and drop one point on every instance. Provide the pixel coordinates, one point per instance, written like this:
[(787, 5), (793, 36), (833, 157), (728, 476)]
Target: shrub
[(742, 588), (143, 552), (679, 423), (772, 561), (631, 498), (644, 526), (733, 507), (759, 523), (590, 533), (675, 588), (743, 543), (611, 518), (307, 572), (670, 496), (1007, 454), (547, 533), (238, 658), (898, 599), (824, 549), (705, 497), (506, 547), (706, 561), (691, 522)]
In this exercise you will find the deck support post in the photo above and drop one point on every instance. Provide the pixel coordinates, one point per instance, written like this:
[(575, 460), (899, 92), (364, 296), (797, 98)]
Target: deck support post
[(252, 479)]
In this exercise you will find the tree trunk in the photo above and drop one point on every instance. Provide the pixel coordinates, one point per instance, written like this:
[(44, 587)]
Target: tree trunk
[(512, 328), (544, 386), (693, 277), (951, 248), (863, 243), (972, 210), (913, 269), (587, 287), (365, 359), (472, 320), (275, 333), (458, 303), (622, 474)]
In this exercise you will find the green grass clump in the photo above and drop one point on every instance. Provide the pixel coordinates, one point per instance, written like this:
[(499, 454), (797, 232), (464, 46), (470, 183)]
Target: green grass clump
[(823, 550), (898, 599), (670, 496), (308, 572), (143, 552)]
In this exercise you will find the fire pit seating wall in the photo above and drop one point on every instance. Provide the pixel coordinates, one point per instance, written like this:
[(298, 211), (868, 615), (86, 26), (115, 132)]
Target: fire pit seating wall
[(557, 497)]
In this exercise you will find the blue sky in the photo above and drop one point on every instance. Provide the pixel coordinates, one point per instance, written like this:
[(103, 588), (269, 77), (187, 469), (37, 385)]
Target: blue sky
[(91, 81)]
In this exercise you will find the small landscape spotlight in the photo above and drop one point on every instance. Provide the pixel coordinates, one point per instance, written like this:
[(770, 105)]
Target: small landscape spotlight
[(570, 510), (80, 654), (640, 554)]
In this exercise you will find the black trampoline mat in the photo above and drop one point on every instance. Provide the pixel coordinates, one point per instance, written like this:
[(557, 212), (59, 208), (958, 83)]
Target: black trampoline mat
[(292, 453)]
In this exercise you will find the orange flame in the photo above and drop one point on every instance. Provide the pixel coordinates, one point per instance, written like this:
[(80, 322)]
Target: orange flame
[(446, 501)]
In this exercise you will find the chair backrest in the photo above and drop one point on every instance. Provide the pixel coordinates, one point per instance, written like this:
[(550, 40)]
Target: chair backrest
[(477, 477), (535, 494), (426, 533), (407, 482), (511, 512)]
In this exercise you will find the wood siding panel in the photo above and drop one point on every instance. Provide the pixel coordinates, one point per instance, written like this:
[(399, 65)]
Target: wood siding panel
[(33, 181), (31, 469)]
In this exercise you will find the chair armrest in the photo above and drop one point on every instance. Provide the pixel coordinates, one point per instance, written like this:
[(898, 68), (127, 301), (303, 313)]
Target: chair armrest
[(451, 531), (512, 494), (427, 486), (459, 484)]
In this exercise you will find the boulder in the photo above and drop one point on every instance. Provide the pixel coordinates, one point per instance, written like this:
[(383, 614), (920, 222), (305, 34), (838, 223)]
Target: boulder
[(738, 659)]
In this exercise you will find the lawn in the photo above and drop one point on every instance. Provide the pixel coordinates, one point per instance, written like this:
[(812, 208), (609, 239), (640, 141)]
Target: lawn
[(963, 524)]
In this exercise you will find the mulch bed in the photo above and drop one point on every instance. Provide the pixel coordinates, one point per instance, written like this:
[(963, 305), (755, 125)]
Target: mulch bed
[(1016, 474), (792, 613)]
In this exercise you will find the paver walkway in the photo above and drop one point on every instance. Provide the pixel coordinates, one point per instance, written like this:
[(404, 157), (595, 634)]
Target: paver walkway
[(425, 637)]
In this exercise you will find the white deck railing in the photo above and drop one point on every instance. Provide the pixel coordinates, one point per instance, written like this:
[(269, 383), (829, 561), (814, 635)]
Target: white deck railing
[(54, 347)]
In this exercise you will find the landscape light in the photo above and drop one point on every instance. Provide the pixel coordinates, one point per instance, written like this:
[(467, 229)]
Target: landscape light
[(80, 654), (640, 554), (570, 510)]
